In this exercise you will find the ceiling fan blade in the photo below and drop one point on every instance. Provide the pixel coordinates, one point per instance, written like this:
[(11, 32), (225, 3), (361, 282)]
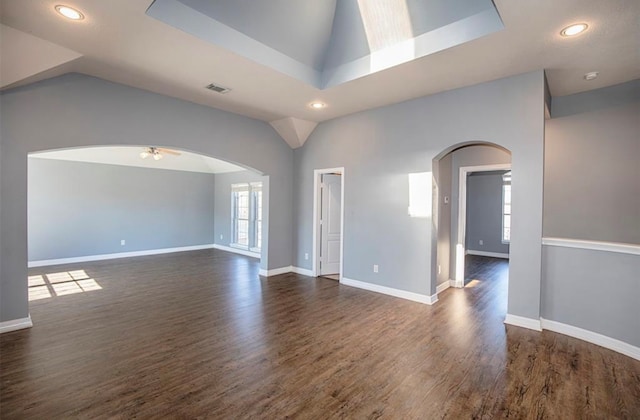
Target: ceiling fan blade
[(169, 152)]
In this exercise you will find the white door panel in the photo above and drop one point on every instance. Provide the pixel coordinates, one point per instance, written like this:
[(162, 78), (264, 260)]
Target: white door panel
[(330, 229)]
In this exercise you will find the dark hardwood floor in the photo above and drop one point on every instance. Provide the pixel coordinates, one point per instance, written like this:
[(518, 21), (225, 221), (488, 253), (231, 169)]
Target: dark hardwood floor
[(200, 335)]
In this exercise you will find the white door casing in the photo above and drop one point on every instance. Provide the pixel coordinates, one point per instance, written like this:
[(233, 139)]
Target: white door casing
[(462, 215), (330, 223)]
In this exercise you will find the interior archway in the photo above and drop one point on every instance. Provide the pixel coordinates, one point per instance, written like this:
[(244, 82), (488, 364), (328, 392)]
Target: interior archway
[(450, 243), (97, 203)]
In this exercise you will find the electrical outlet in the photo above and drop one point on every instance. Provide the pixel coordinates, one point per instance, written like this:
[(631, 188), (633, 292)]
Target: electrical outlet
[(221, 237), (122, 242), (306, 255), (481, 242), (446, 199), (375, 268)]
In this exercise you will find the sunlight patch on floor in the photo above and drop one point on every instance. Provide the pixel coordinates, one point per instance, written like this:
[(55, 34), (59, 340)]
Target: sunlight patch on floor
[(60, 284)]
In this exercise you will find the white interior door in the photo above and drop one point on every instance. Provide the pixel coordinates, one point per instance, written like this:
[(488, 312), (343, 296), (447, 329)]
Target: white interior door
[(330, 233)]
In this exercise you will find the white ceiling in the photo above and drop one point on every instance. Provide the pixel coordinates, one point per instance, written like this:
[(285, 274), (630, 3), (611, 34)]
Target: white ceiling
[(117, 41), (130, 156)]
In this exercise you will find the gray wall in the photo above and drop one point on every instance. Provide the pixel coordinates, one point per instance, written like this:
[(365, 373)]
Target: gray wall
[(442, 172), (592, 167), (223, 202), (484, 212), (592, 192), (594, 290), (78, 209), (380, 147), (78, 111)]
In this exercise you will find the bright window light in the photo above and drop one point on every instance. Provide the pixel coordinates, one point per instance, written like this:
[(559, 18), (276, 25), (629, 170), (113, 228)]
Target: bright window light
[(60, 284), (36, 281), (420, 194), (389, 32), (506, 208)]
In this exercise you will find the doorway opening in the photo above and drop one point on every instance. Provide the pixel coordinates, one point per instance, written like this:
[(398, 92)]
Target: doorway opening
[(328, 223), (106, 202), (472, 214), (484, 211)]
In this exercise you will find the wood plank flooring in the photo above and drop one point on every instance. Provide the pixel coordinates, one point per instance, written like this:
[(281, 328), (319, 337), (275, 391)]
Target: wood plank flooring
[(200, 335)]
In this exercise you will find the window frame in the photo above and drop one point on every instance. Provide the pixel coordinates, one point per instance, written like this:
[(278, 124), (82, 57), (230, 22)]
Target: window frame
[(506, 190), (254, 216)]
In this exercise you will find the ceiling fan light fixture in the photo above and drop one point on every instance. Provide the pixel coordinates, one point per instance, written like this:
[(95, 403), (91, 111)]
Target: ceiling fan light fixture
[(157, 155), (144, 154)]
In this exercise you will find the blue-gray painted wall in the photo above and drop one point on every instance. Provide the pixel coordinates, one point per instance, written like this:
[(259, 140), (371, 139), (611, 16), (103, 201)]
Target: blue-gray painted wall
[(79, 111), (484, 213), (81, 209), (592, 192), (380, 147)]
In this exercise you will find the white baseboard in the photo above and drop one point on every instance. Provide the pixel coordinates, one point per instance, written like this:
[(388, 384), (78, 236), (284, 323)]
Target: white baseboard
[(443, 286), (87, 258), (592, 337), (15, 324), (487, 254), (520, 321), (456, 283), (236, 250), (403, 294), (302, 271), (275, 271), (284, 270)]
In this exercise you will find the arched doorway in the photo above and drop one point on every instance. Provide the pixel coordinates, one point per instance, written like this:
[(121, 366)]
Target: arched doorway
[(485, 231), (110, 202)]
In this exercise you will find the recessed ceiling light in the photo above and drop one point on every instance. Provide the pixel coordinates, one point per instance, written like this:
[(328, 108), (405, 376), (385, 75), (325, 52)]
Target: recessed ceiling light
[(575, 29), (317, 105), (69, 12), (591, 75)]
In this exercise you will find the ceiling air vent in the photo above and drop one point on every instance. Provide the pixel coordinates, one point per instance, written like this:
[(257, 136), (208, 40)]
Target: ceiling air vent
[(217, 88)]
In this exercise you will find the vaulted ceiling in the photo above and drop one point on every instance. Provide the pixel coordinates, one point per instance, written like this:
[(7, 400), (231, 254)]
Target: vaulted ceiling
[(327, 43), (278, 56)]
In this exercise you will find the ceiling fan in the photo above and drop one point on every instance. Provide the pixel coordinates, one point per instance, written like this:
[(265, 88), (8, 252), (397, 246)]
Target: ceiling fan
[(156, 152)]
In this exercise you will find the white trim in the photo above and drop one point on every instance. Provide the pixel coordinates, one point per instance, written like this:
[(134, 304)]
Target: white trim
[(456, 283), (592, 337), (302, 271), (462, 211), (487, 254), (275, 271), (520, 321), (284, 270), (593, 245), (236, 250), (443, 286), (44, 263), (403, 294), (315, 261), (16, 324)]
